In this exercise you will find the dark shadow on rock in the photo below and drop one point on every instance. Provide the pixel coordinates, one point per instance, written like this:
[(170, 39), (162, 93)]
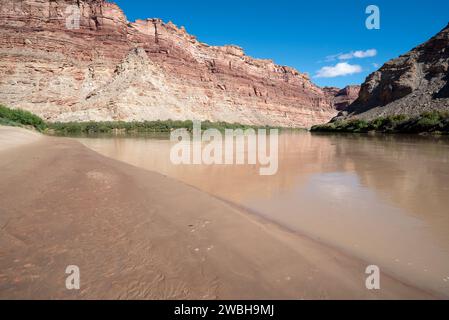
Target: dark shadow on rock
[(444, 92)]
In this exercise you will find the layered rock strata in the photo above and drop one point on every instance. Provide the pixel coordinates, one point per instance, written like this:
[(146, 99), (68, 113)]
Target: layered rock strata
[(112, 69)]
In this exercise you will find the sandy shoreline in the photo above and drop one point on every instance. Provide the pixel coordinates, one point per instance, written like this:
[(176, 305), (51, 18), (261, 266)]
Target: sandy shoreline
[(16, 137), (136, 234)]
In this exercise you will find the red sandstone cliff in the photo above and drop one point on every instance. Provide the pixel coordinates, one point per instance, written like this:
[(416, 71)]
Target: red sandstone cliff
[(111, 69)]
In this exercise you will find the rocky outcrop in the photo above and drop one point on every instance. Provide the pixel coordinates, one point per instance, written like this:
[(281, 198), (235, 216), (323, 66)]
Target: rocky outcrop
[(112, 69), (414, 83), (342, 98)]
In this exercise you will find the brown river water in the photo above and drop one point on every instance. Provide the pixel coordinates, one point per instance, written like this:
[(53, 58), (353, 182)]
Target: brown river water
[(383, 199)]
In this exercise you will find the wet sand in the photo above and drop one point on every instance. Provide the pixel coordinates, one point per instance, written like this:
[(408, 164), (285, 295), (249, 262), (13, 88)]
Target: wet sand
[(15, 137), (136, 234)]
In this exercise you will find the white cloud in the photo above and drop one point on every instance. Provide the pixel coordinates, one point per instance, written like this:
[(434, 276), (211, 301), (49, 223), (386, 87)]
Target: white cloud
[(359, 54), (332, 57), (340, 69)]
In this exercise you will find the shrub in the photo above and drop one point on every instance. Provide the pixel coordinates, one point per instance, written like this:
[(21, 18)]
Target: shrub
[(21, 117), (356, 126), (435, 121)]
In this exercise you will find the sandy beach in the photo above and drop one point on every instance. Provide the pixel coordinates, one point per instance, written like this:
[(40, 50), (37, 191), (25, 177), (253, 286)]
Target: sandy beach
[(136, 234)]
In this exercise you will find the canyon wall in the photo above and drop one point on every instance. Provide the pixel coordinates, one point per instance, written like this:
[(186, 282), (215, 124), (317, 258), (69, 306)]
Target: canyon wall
[(414, 83), (342, 98), (112, 69)]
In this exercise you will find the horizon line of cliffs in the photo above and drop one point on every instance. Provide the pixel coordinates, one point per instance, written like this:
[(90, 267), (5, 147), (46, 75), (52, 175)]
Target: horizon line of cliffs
[(111, 69)]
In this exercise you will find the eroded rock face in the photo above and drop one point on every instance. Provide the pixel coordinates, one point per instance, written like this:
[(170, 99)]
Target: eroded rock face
[(111, 69), (342, 98), (416, 82)]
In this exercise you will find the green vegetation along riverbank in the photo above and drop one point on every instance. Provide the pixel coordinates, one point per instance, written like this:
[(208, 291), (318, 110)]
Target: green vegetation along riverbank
[(21, 118), (436, 122), (71, 128)]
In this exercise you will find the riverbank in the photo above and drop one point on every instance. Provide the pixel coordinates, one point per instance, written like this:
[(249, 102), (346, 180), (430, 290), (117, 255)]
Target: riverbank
[(428, 123), (26, 119), (139, 235), (11, 138)]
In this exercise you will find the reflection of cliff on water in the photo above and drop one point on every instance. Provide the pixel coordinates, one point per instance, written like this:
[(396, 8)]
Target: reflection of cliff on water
[(409, 172), (297, 159)]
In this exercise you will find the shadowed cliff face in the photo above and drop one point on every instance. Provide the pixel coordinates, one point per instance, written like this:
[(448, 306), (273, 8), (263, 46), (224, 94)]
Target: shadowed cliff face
[(411, 84), (342, 98), (111, 69)]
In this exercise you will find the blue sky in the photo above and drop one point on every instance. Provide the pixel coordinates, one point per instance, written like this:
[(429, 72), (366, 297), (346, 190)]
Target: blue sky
[(304, 34)]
